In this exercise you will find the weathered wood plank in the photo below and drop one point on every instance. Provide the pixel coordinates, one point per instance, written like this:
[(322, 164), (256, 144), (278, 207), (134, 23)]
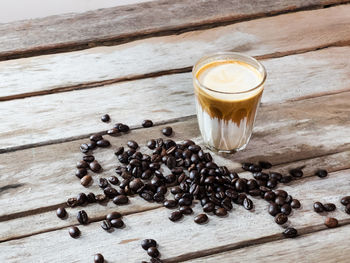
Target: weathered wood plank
[(240, 228), (47, 221), (294, 132), (160, 99), (100, 27), (266, 37), (331, 245)]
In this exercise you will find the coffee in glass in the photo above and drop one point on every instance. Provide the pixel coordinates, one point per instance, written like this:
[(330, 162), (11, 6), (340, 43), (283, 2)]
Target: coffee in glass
[(228, 88)]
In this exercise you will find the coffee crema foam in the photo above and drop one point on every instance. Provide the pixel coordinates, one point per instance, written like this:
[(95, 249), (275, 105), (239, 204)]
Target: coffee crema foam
[(226, 107)]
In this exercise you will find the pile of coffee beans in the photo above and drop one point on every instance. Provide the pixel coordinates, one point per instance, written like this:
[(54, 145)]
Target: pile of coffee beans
[(150, 245)]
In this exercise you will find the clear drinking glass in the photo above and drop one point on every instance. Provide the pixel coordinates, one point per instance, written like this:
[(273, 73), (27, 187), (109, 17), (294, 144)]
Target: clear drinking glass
[(226, 118)]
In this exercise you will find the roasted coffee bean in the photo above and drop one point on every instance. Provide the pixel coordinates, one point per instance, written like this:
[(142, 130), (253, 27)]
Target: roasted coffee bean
[(231, 194), (84, 148), (281, 193), (240, 185), (86, 180), (321, 173), (347, 209), (147, 123), (154, 166), (209, 207), (135, 184), (226, 203), (61, 212), (170, 203), (110, 192), (201, 219), (171, 162), (98, 258), (113, 131), (74, 232), (248, 204), (286, 209), (220, 211), (281, 219), (153, 252), (123, 158), (95, 166), (81, 198), (280, 200), (90, 198), (162, 189), (103, 143), (264, 189), (72, 202), (331, 222), (101, 198), (113, 215), (175, 216), (185, 201), (245, 166), (80, 172), (345, 200), (119, 151), (146, 174), (252, 184), (276, 176), (265, 164), (147, 243), (272, 183), (254, 168), (151, 144), (296, 172), (273, 209), (117, 223), (147, 195), (170, 178), (254, 192), (240, 199), (269, 196), (186, 210), (167, 131), (329, 207), (105, 118), (113, 180), (286, 179), (103, 183), (121, 200), (132, 144), (88, 158), (289, 199), (82, 217), (261, 176), (290, 232), (318, 207), (106, 225), (96, 137), (92, 145), (158, 197), (295, 203), (82, 164)]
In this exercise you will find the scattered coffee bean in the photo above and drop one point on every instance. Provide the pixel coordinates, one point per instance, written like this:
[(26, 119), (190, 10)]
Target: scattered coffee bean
[(248, 204), (321, 173), (265, 165), (286, 209), (151, 144), (153, 252), (121, 200), (92, 145), (220, 211), (167, 131), (273, 209), (74, 232), (98, 258), (281, 193), (280, 200), (113, 215), (82, 164), (91, 198), (86, 180), (101, 198), (80, 172), (84, 148), (117, 223), (82, 217), (61, 212), (132, 144), (296, 172), (123, 128), (201, 219), (103, 143), (290, 232), (331, 222), (147, 123), (281, 219), (113, 180), (106, 225), (170, 203), (345, 200), (175, 216), (286, 179), (95, 166), (318, 207), (275, 175), (295, 203), (81, 198), (88, 158), (245, 166), (289, 199), (113, 131), (147, 243), (103, 183), (186, 210), (329, 207), (96, 137), (72, 202), (105, 118)]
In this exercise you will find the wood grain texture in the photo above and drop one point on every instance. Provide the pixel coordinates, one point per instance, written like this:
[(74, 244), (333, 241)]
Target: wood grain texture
[(41, 222), (35, 120), (68, 32), (265, 37), (331, 245), (294, 132), (218, 234)]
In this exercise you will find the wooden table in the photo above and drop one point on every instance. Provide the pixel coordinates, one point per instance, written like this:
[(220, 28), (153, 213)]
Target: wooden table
[(60, 74)]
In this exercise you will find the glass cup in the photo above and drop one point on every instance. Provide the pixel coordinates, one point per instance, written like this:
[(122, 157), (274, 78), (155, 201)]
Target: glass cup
[(225, 113)]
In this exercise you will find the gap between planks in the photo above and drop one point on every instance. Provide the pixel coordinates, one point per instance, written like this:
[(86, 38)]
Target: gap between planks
[(95, 84), (129, 37)]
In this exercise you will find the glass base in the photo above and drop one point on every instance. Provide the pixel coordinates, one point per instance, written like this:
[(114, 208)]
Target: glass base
[(212, 148)]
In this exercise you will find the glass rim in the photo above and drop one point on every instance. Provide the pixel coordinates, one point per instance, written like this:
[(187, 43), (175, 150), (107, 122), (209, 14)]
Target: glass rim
[(261, 66)]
